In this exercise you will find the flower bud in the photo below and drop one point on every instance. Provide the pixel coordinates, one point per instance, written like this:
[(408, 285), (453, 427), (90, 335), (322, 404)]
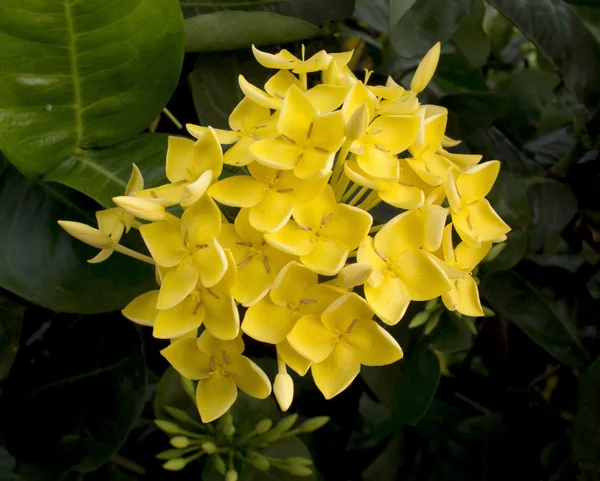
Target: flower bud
[(141, 208), (167, 426), (179, 442), (231, 475), (260, 462), (220, 464), (488, 312), (283, 387), (176, 464), (296, 470), (263, 425), (298, 461), (314, 424), (229, 430), (282, 426), (432, 304), (358, 122), (419, 319), (209, 447), (494, 252), (169, 454), (426, 69), (87, 234)]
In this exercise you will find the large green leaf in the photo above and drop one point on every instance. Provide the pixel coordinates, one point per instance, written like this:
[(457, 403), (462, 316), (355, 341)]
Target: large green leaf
[(86, 383), (83, 75), (229, 30), (563, 38), (416, 26), (11, 322), (518, 301), (43, 264), (586, 425), (375, 13), (470, 38)]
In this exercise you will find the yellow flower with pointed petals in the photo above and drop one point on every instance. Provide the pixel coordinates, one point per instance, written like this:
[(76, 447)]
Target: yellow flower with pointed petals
[(284, 60), (472, 215), (323, 233), (220, 369), (463, 296), (270, 194), (189, 246), (248, 122), (403, 267), (295, 292), (308, 141), (258, 262), (394, 99), (338, 341), (191, 168)]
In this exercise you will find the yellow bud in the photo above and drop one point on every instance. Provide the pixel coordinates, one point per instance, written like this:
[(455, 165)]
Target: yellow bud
[(141, 208), (358, 122), (176, 464), (87, 234), (426, 69), (283, 387), (179, 442), (231, 475), (209, 447), (263, 425)]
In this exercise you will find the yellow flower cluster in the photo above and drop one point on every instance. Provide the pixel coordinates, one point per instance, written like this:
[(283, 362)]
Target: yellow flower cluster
[(312, 162)]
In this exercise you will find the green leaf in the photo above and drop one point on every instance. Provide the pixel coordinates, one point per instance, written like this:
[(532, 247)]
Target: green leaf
[(375, 13), (408, 386), (170, 393), (229, 30), (43, 264), (11, 322), (470, 38), (586, 425), (7, 465), (417, 26), (451, 335), (80, 400), (214, 84), (562, 37), (514, 298), (83, 75), (386, 465)]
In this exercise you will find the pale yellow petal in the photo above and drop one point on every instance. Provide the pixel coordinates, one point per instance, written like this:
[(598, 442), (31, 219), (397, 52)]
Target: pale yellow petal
[(222, 318), (359, 176), (434, 220), (394, 132), (201, 222), (469, 303), (292, 239), (373, 345), (208, 154), (239, 154), (337, 372), (248, 114), (136, 181), (187, 360), (142, 310), (296, 116), (314, 164), (238, 191), (311, 214), (348, 225), (326, 98), (249, 377), (211, 262), (257, 95), (367, 255), (311, 339), (467, 257), (298, 363), (219, 349), (477, 181), (302, 190), (319, 61), (224, 136), (343, 313), (421, 275), (402, 196), (283, 60), (193, 192), (277, 153), (180, 158), (177, 284), (327, 257), (267, 322), (214, 396), (389, 299), (291, 283), (279, 84), (272, 212), (379, 163), (178, 320), (402, 233)]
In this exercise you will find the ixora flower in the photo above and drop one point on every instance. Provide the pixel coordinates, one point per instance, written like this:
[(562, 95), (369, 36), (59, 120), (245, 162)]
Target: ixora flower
[(288, 232)]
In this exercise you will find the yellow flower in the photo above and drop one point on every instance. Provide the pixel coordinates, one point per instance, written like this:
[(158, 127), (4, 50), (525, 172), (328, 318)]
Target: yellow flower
[(189, 246), (284, 60), (191, 168), (463, 296), (258, 262), (308, 141), (472, 215), (323, 233), (271, 195), (295, 292), (394, 99), (403, 269), (338, 341), (248, 122), (220, 369)]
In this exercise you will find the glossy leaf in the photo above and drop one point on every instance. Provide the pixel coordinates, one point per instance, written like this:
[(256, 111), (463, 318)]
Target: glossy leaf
[(375, 13), (7, 465), (11, 322), (170, 393), (43, 264), (82, 75), (563, 38), (470, 38), (213, 32), (514, 298)]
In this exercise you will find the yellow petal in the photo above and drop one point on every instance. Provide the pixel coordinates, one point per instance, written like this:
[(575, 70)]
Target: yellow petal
[(402, 233), (249, 377), (395, 133), (326, 98), (420, 167), (448, 142), (404, 106), (314, 164), (283, 388), (211, 263), (401, 196), (296, 116), (327, 257), (367, 255), (348, 225), (239, 154), (248, 114), (229, 240), (179, 320), (180, 158), (342, 314), (359, 176), (187, 360), (164, 242), (477, 181), (311, 214), (319, 297), (422, 276), (429, 138), (272, 212), (169, 194), (357, 123), (353, 275), (434, 220), (319, 61), (283, 60), (299, 364), (292, 239), (221, 350), (468, 297), (177, 284), (224, 136), (460, 161), (253, 281), (267, 322), (196, 190), (467, 257), (379, 164), (238, 191), (373, 345), (451, 191), (389, 299), (214, 396), (481, 221), (450, 298), (101, 256), (222, 318), (141, 208), (202, 221), (136, 181), (208, 155), (311, 339), (337, 372), (426, 69), (291, 283), (358, 95), (87, 234), (142, 310), (302, 190), (257, 95), (277, 153), (279, 84)]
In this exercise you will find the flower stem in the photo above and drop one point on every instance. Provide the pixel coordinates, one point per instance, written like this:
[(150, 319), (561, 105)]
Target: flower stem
[(376, 228), (131, 253), (172, 118), (349, 192), (341, 186), (339, 163), (358, 196), (372, 197)]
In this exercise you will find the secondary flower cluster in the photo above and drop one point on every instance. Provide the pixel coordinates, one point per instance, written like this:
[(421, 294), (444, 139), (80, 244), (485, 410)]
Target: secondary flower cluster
[(311, 164)]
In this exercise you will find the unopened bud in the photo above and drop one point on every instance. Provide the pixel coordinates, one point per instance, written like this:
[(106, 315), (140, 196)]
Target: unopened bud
[(209, 447), (296, 470), (426, 69), (229, 430), (263, 425), (421, 318), (167, 426), (169, 454), (432, 304), (231, 475), (299, 461), (141, 207), (286, 423), (494, 252), (219, 464), (179, 442), (432, 323), (358, 122), (176, 464), (488, 312), (87, 234), (260, 462), (314, 424), (283, 387)]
